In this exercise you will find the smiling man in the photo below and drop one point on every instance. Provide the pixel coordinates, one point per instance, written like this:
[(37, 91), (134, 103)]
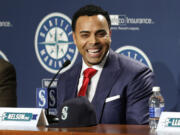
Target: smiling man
[(92, 38), (117, 86)]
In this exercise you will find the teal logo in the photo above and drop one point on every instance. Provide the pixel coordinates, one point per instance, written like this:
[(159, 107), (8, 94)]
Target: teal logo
[(172, 122), (135, 53), (54, 42), (11, 116)]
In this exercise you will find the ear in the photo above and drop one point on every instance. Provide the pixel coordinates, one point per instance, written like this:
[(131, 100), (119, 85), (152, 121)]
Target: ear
[(74, 38), (110, 32)]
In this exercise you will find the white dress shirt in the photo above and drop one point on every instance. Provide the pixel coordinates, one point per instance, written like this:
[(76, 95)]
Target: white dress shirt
[(92, 86)]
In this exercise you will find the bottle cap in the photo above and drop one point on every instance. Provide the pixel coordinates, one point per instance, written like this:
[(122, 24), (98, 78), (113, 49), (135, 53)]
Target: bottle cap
[(155, 89)]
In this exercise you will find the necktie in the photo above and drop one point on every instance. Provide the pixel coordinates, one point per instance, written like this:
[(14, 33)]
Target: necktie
[(88, 73)]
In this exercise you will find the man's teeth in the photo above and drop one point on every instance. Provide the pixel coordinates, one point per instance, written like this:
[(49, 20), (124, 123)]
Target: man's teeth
[(93, 51)]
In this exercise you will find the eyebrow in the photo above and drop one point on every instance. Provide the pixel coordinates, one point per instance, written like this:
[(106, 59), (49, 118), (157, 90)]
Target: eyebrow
[(84, 31), (101, 30)]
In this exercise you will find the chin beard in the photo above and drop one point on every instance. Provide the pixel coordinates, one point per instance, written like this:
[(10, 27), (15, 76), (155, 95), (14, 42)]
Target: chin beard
[(94, 63)]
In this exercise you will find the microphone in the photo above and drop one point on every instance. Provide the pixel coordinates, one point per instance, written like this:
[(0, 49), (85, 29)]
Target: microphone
[(64, 65), (53, 118)]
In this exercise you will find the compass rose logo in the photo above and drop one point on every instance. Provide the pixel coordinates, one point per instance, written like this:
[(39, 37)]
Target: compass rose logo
[(54, 42), (135, 53)]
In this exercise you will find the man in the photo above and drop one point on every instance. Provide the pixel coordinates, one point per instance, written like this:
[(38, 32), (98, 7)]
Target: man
[(121, 87), (7, 84)]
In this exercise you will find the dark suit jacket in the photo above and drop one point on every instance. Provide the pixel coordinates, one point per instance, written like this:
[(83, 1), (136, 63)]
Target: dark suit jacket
[(122, 76), (7, 84)]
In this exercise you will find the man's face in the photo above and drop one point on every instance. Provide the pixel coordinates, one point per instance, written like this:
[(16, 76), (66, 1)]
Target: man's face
[(92, 37)]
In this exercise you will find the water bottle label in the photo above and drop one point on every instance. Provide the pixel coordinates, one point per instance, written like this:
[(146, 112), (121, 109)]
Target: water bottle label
[(151, 112), (155, 112)]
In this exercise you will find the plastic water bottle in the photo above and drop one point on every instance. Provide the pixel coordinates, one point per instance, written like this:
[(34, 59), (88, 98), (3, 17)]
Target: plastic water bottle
[(156, 106)]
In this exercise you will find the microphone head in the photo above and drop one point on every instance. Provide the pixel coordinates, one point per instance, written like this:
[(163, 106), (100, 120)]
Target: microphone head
[(66, 63)]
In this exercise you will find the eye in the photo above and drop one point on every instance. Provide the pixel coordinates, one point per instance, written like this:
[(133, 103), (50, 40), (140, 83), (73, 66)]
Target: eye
[(101, 33), (84, 35)]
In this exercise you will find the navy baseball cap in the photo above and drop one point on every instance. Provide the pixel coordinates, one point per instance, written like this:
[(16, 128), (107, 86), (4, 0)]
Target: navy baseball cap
[(76, 112)]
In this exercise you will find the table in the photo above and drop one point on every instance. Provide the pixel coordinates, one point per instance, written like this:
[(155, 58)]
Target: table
[(102, 129)]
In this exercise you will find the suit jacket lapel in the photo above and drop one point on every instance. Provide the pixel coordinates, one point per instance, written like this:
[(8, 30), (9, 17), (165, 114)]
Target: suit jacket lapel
[(72, 83), (106, 81)]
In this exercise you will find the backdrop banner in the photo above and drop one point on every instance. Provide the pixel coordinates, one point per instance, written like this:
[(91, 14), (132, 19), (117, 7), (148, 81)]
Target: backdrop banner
[(36, 37)]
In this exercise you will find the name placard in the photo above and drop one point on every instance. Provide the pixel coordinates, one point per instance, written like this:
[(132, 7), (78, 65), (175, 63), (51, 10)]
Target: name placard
[(22, 117), (169, 121)]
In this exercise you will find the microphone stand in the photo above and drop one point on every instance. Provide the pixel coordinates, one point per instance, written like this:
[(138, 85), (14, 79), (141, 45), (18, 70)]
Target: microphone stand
[(52, 118)]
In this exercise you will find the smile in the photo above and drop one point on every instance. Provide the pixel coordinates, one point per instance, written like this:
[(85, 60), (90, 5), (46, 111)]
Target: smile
[(94, 52)]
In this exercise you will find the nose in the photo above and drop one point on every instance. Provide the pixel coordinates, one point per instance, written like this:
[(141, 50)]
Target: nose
[(93, 39)]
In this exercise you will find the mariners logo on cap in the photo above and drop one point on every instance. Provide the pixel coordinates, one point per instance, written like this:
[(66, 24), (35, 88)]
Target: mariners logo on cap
[(64, 114), (135, 53), (54, 42)]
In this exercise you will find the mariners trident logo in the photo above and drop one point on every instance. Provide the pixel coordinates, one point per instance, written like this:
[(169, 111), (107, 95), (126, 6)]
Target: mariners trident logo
[(64, 114), (54, 42)]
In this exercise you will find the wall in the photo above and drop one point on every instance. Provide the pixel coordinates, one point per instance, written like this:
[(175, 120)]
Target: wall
[(152, 27)]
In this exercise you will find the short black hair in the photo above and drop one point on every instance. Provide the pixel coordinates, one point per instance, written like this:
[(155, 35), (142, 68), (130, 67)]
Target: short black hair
[(90, 10)]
